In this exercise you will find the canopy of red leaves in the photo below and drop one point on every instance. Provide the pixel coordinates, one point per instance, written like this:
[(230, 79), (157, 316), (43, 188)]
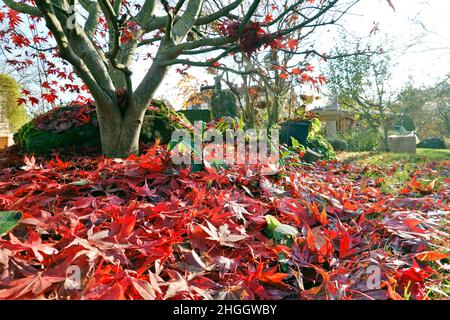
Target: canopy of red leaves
[(141, 228)]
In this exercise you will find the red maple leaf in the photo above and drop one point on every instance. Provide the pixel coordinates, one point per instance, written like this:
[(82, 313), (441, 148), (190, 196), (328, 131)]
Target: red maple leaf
[(268, 18), (292, 44)]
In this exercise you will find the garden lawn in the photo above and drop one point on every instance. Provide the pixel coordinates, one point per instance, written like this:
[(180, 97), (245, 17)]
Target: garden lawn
[(382, 158), (396, 170), (141, 228)]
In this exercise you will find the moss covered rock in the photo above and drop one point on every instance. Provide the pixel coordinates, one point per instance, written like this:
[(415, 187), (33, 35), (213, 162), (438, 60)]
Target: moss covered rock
[(72, 126), (75, 127), (160, 121)]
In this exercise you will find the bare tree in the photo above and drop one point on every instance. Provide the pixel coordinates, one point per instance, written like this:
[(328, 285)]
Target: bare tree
[(361, 83)]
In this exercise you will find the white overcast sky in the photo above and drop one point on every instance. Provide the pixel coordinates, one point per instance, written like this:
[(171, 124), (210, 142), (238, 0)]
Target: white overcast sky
[(429, 59), (426, 62)]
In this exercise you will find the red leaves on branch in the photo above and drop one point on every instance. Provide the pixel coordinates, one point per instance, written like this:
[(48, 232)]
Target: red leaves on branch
[(253, 36), (22, 48), (49, 97), (292, 44), (14, 19), (20, 40), (268, 18)]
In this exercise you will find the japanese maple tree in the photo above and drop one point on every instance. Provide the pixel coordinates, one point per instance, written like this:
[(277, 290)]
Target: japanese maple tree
[(100, 40)]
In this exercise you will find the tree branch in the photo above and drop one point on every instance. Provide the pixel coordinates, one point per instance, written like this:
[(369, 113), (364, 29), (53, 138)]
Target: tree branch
[(23, 8), (186, 21), (93, 10), (248, 16), (68, 54), (219, 14), (205, 64)]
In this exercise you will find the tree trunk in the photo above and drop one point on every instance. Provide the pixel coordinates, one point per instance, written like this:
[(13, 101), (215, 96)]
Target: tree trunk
[(385, 129), (120, 128), (274, 113), (249, 113), (119, 132)]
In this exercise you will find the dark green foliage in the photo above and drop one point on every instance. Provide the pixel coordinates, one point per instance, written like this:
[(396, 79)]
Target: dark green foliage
[(338, 144), (407, 122), (432, 143), (197, 115), (75, 127), (223, 104)]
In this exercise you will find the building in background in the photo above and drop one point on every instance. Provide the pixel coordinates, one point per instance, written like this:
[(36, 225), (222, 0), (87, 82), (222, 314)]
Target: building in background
[(334, 119)]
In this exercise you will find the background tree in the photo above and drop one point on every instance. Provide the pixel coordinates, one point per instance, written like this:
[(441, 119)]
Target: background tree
[(277, 75), (411, 103), (428, 107), (15, 116), (440, 105), (361, 83)]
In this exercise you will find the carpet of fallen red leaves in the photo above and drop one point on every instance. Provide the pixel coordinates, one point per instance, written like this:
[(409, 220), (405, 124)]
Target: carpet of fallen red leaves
[(141, 228)]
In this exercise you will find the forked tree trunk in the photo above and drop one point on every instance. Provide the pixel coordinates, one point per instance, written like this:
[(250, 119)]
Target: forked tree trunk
[(120, 129), (119, 133)]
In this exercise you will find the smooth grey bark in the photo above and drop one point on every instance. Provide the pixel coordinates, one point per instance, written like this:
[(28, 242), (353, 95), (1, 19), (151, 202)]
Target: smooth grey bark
[(120, 134)]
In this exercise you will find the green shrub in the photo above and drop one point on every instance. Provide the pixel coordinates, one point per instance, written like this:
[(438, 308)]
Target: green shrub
[(317, 142), (362, 139), (338, 144), (432, 143)]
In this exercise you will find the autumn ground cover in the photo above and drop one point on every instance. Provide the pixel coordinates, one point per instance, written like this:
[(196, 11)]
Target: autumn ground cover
[(401, 167), (141, 228)]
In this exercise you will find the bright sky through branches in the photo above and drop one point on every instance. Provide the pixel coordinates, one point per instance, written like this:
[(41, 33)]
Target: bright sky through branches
[(417, 31)]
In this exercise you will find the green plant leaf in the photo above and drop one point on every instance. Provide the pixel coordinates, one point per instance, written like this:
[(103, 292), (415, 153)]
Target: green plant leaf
[(272, 223), (284, 230), (80, 183), (8, 220)]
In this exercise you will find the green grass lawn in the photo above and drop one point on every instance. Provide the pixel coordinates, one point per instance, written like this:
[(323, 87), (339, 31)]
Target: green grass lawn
[(397, 169), (383, 158)]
